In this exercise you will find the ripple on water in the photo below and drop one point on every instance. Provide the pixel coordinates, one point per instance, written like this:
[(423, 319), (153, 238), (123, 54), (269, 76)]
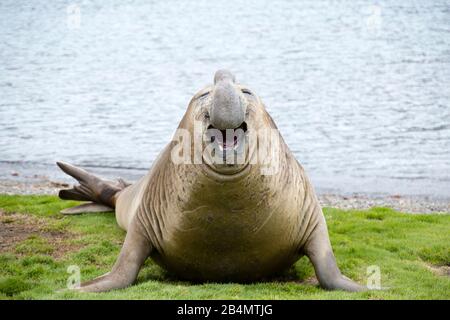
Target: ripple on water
[(357, 99)]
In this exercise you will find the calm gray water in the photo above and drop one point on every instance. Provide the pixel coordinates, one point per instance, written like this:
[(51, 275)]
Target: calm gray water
[(359, 89)]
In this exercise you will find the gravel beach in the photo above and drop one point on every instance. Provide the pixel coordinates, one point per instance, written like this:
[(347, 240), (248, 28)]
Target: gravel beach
[(405, 203)]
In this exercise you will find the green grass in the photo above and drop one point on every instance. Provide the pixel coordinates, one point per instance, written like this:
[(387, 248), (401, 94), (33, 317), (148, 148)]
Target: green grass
[(404, 246)]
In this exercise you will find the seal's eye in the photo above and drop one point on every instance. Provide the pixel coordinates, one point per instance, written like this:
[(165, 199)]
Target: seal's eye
[(206, 116), (203, 95), (246, 91)]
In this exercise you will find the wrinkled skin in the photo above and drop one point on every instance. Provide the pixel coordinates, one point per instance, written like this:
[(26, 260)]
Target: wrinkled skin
[(208, 222)]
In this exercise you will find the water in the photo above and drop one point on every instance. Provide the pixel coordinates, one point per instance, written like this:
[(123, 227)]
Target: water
[(360, 90)]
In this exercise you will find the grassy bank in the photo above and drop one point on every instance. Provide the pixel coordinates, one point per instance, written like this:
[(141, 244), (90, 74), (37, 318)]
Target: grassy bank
[(38, 245)]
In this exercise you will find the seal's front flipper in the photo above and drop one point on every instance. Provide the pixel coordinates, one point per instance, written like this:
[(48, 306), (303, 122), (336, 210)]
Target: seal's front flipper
[(135, 251), (319, 251), (87, 208), (91, 187)]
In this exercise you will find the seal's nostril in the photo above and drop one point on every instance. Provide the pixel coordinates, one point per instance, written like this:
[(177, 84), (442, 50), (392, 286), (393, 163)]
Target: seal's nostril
[(243, 126)]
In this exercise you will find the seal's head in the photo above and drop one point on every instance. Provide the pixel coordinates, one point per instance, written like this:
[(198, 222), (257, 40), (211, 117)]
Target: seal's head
[(227, 114)]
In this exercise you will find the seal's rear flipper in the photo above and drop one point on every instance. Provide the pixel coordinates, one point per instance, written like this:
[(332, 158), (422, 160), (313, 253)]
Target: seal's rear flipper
[(91, 188), (86, 208)]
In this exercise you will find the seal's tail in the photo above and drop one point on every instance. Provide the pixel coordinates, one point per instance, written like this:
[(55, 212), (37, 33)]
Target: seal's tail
[(101, 193)]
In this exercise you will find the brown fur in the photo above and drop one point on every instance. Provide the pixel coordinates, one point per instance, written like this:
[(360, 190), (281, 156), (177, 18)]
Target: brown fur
[(204, 225)]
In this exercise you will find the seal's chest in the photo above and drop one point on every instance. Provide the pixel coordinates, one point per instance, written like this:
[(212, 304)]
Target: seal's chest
[(236, 245), (218, 225)]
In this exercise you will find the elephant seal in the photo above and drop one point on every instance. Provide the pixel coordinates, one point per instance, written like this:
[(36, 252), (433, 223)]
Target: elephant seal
[(204, 219)]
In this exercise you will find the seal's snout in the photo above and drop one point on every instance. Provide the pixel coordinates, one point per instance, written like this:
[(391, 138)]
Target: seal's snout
[(228, 109), (223, 75)]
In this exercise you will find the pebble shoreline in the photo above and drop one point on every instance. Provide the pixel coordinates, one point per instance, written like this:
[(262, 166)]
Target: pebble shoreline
[(409, 204)]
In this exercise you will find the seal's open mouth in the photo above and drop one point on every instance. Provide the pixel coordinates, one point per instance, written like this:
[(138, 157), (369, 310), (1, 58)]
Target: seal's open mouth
[(227, 139)]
